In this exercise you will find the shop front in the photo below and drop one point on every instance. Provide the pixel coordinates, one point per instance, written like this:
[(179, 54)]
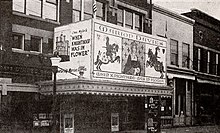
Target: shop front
[(87, 106), (207, 102)]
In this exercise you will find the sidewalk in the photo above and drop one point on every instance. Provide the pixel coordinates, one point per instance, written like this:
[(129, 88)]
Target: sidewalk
[(194, 129)]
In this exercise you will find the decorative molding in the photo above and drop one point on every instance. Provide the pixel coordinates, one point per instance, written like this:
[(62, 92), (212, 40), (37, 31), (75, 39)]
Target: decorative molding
[(104, 88), (172, 14)]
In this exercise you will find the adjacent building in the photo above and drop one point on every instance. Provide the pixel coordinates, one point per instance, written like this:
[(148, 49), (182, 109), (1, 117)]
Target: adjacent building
[(206, 43), (178, 30)]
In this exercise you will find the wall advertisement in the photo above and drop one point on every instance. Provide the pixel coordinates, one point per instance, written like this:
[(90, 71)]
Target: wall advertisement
[(74, 40), (123, 54), (104, 51)]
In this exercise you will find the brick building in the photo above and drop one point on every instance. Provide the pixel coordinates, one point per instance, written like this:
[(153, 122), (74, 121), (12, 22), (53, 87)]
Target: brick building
[(206, 34), (26, 45)]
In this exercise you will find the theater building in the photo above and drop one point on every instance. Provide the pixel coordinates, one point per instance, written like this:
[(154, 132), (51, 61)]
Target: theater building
[(121, 78)]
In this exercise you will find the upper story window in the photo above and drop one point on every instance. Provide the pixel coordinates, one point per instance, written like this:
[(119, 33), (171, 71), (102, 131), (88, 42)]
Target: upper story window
[(213, 62), (185, 56), (82, 9), (17, 40), (173, 52), (130, 19), (46, 9), (34, 43), (199, 59), (33, 7)]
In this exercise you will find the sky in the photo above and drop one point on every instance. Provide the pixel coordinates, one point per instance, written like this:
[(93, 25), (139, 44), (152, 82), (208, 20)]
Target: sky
[(211, 7)]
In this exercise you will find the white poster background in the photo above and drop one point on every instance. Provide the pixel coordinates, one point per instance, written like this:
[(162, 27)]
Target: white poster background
[(100, 46)]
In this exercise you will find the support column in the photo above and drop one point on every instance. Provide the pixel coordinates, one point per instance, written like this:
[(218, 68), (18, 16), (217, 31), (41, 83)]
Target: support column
[(188, 103)]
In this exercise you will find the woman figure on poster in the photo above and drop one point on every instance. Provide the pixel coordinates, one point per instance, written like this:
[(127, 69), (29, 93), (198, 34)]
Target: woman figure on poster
[(132, 66)]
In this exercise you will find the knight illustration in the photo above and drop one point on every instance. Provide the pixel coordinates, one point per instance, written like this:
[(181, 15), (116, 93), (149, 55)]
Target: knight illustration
[(108, 56)]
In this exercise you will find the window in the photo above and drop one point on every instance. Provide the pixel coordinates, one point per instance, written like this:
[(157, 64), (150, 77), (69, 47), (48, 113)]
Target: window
[(35, 44), (216, 65), (17, 40), (208, 61), (174, 52), (185, 58), (120, 17), (138, 22), (212, 63), (48, 47), (33, 7), (204, 60), (87, 12), (88, 9), (100, 11), (130, 19), (50, 9), (19, 5), (199, 59), (46, 9)]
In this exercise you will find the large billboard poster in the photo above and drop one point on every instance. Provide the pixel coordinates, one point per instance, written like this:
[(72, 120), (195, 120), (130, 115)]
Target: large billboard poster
[(75, 41), (126, 55)]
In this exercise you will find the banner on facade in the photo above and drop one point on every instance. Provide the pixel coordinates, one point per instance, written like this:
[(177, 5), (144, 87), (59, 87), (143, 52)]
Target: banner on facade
[(74, 40), (105, 51), (124, 54)]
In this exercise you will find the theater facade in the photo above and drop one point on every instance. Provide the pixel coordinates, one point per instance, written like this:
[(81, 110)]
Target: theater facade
[(110, 79)]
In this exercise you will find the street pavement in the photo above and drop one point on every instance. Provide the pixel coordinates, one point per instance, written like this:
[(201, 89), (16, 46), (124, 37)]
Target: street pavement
[(194, 129)]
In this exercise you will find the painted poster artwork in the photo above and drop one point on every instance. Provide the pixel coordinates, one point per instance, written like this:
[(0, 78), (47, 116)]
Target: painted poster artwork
[(107, 53), (62, 43), (133, 57), (155, 61)]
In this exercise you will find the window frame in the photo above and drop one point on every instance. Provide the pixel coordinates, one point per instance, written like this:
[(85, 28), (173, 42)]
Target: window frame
[(42, 6), (22, 41), (40, 45), (172, 53), (82, 12), (187, 60), (133, 19)]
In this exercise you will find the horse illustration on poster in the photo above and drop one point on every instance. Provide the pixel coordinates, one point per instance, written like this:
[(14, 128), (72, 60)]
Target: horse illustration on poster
[(154, 62), (107, 56)]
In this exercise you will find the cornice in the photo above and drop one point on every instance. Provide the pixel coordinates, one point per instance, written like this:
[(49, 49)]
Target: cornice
[(172, 14)]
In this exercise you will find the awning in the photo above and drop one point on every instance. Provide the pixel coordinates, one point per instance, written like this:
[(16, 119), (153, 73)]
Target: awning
[(208, 82), (171, 75)]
